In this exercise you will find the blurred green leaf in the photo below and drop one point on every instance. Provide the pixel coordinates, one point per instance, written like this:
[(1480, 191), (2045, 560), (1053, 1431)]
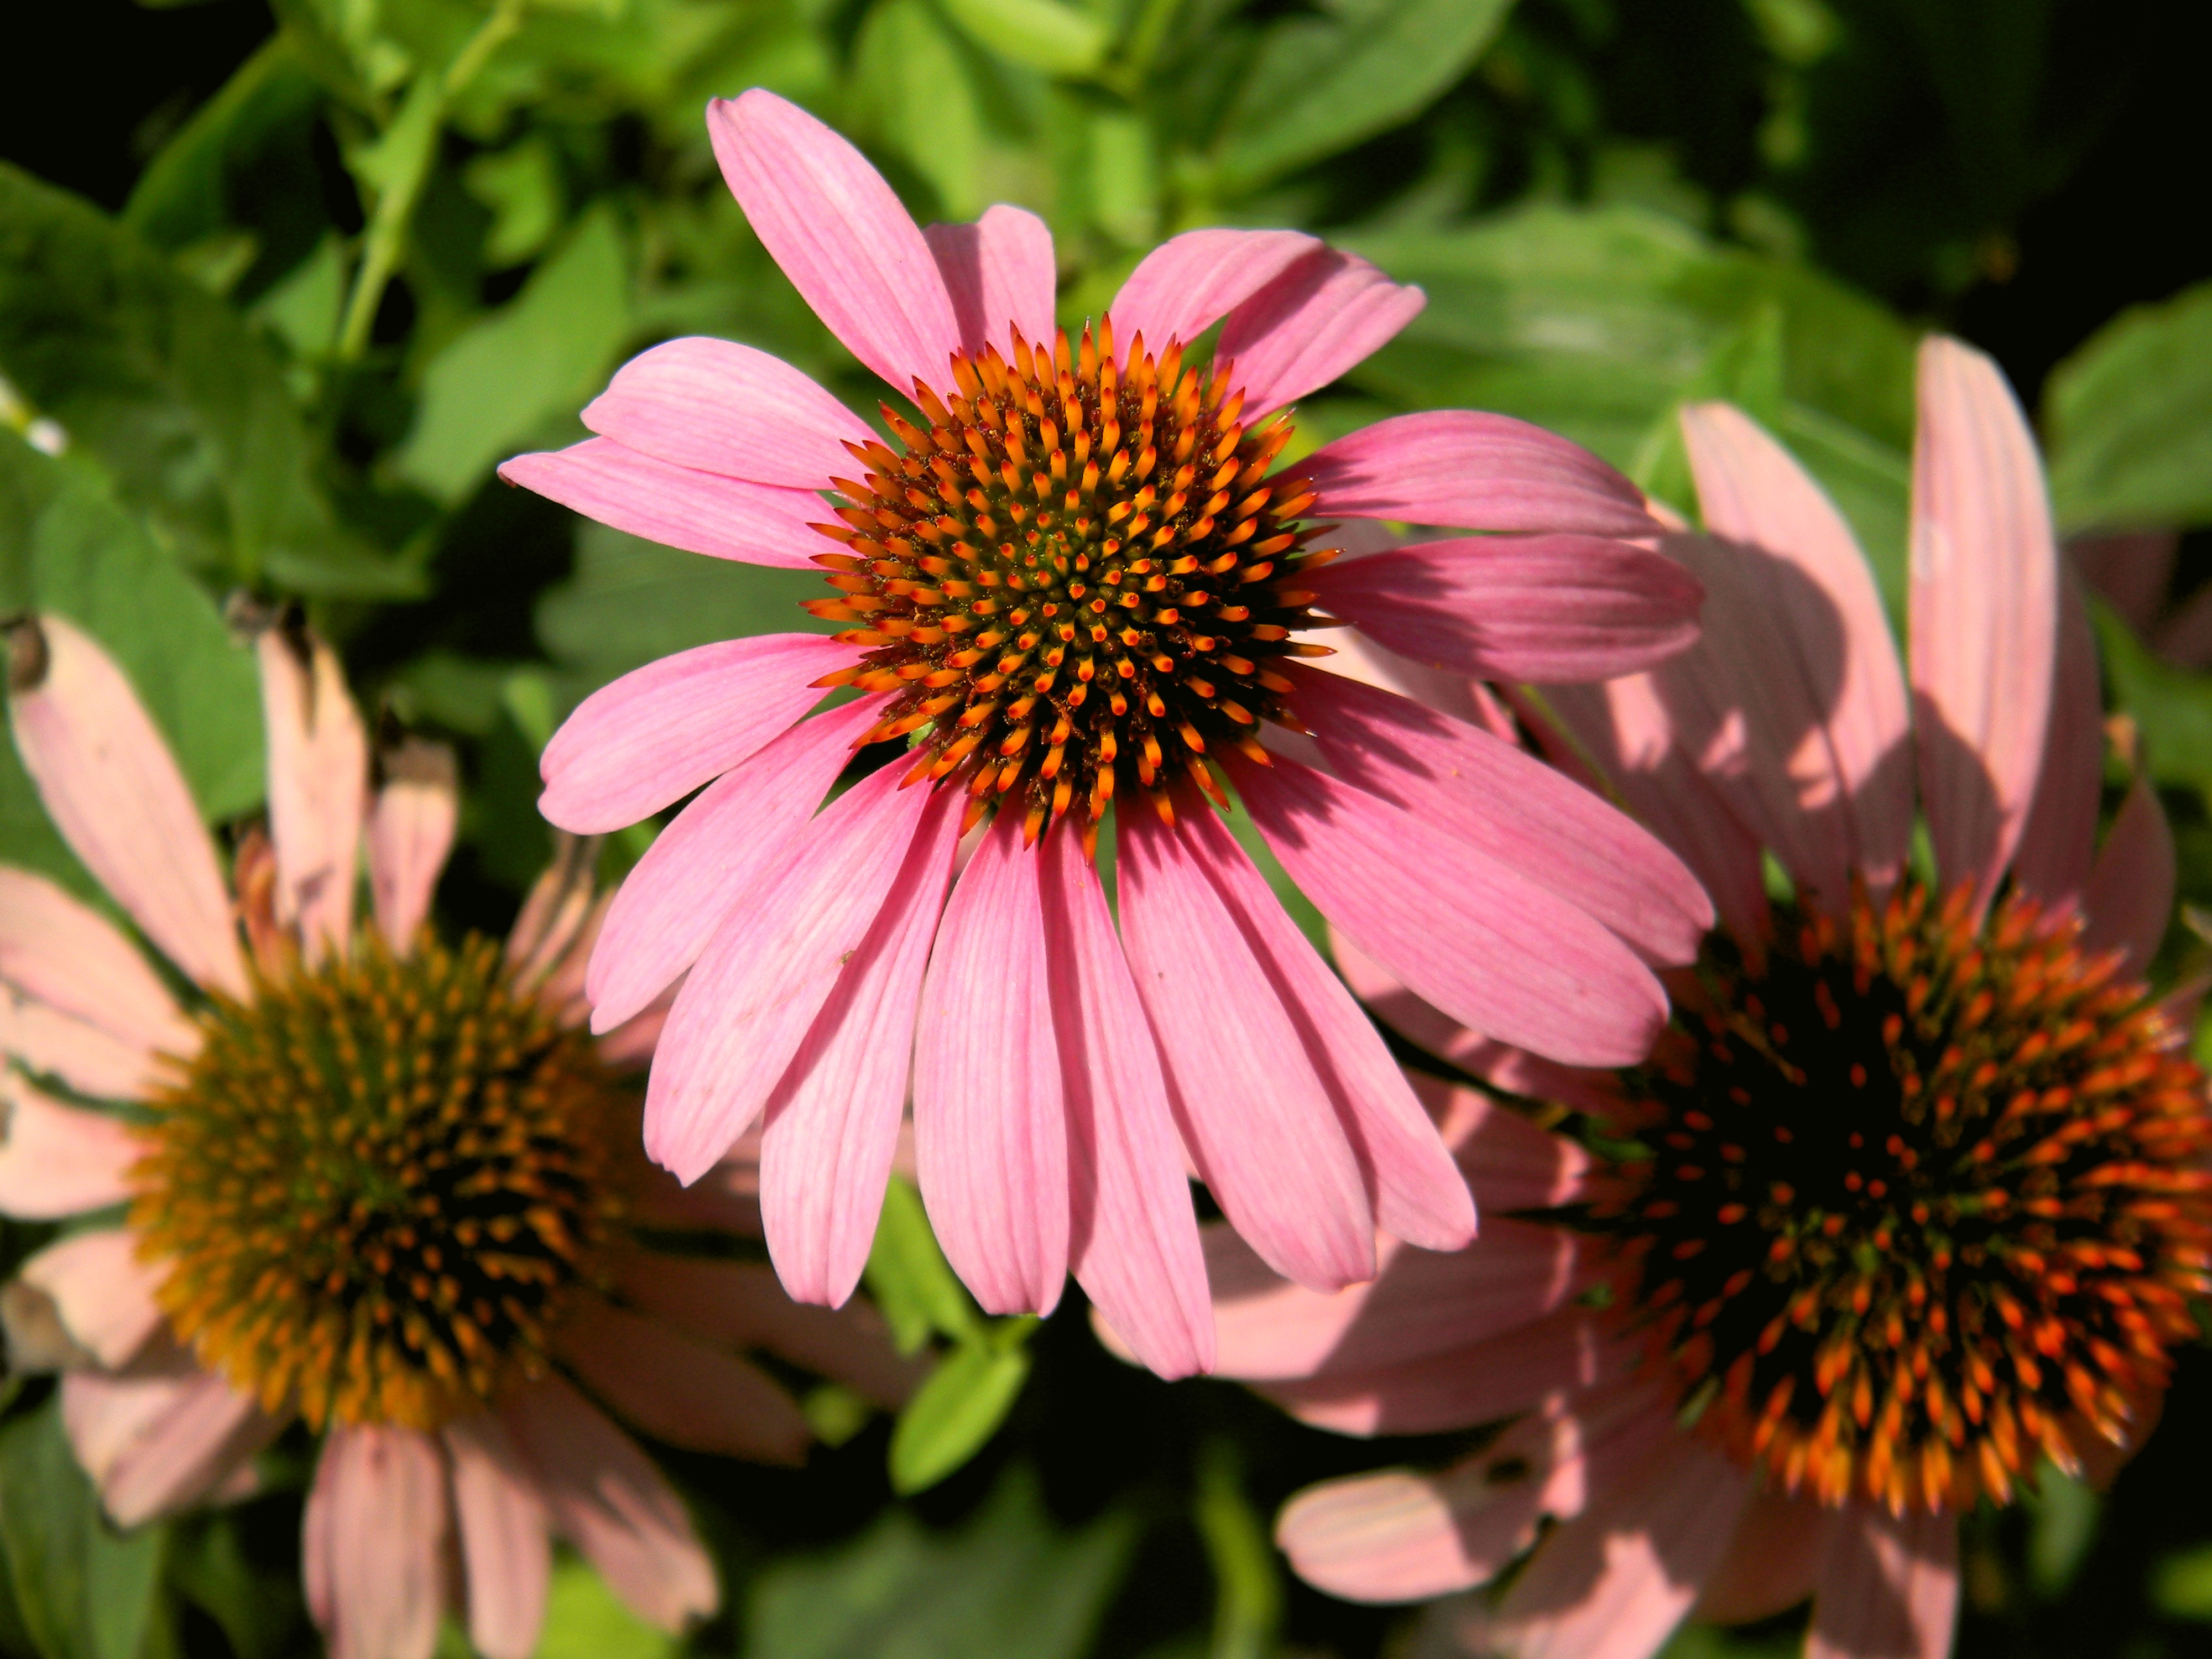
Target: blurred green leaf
[(2181, 1587), (2129, 420), (208, 1564), (521, 185), (956, 1409), (1040, 34), (2062, 1519), (915, 94), (1248, 1584), (585, 1620), (909, 1277), (1010, 1584), (2172, 707), (85, 1591)]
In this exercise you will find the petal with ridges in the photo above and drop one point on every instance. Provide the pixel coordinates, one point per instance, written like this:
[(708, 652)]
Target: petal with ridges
[(1456, 1388), (103, 1293), (1188, 283), (1888, 1588), (374, 1539), (677, 1388), (678, 507), (56, 1160), (997, 270), (61, 952), (1325, 314), (717, 406), (410, 831), (2129, 898), (507, 1545), (317, 786)]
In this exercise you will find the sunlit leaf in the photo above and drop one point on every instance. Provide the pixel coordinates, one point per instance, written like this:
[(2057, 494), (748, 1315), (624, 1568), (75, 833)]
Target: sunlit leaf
[(2129, 420), (84, 1589), (1043, 35), (910, 1280)]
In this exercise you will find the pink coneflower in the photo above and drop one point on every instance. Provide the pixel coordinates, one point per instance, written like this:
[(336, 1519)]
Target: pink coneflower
[(1075, 584), (374, 1184), (1915, 1191)]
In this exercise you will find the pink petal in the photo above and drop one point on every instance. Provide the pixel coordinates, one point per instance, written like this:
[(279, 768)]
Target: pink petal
[(1772, 1563), (1133, 1234), (1473, 472), (1457, 1388), (716, 406), (1457, 926), (997, 270), (608, 1500), (2131, 893), (706, 862), (410, 831), (840, 235), (1322, 315), (1188, 283), (506, 1548), (1257, 1122), (660, 731), (748, 1001), (678, 506), (1510, 1163), (317, 786), (1510, 806), (990, 1131), (679, 1390), (833, 1122), (373, 1543), (101, 1291), (113, 791), (43, 1040), (56, 1160), (163, 1436), (60, 952), (1889, 1588), (2057, 841), (1984, 610)]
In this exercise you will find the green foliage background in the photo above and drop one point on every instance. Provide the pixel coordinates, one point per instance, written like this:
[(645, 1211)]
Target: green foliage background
[(280, 283)]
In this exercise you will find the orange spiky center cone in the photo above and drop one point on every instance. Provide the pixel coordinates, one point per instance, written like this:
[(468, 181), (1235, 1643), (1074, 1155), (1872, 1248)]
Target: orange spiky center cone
[(1920, 1199), (1076, 579)]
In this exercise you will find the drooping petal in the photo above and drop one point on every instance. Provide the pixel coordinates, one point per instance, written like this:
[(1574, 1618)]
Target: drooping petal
[(679, 1389), (373, 1542), (61, 952), (660, 731), (717, 406), (507, 1546), (2056, 843), (1190, 282), (1984, 610), (317, 786), (2131, 893), (1546, 609), (163, 1436), (56, 1160), (706, 862), (1321, 316), (1473, 472), (410, 831), (997, 270), (1888, 1588), (751, 997), (678, 506), (840, 235), (43, 1040), (101, 1292), (832, 1123), (114, 790), (1133, 1234), (1774, 1560)]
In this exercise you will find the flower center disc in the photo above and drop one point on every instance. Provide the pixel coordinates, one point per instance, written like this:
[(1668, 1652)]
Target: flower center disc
[(376, 1182), (1076, 578), (1923, 1199)]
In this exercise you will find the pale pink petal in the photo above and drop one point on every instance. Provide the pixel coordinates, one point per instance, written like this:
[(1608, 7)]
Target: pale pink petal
[(114, 791), (833, 1122), (43, 1041), (1510, 806), (716, 406), (660, 731), (997, 271), (162, 1437), (750, 999), (507, 1546), (608, 1500), (1188, 283), (410, 831), (680, 1390), (678, 506), (101, 1289), (317, 786), (1510, 1163), (1133, 1235), (1984, 610), (2057, 842), (374, 1540), (1457, 1388), (1460, 927), (1257, 1122), (56, 1160), (58, 951), (2131, 893), (706, 862), (1772, 1563), (1322, 316), (1888, 1588), (1472, 470), (840, 235)]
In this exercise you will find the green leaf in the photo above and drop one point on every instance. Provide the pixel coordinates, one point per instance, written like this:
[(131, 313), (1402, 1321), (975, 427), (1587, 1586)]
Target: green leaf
[(1041, 34), (909, 1277), (2181, 1588), (585, 1620), (521, 185), (2129, 420), (539, 356), (261, 1611), (2172, 707), (914, 92), (956, 1409), (1323, 84), (1248, 1585), (1011, 1582), (85, 1591)]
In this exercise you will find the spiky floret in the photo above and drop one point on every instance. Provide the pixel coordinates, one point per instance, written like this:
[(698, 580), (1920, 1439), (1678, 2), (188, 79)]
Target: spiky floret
[(377, 1182), (1923, 1197), (1077, 578)]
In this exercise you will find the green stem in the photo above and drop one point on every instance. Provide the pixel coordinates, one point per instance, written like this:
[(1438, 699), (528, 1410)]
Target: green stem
[(1248, 1607)]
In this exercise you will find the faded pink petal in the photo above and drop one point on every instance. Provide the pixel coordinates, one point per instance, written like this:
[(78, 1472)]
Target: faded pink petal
[(1547, 609), (56, 1160), (1984, 610), (678, 506), (410, 831), (1473, 472), (161, 1436), (660, 731), (1889, 1588), (1510, 1164), (1321, 316), (607, 1499), (506, 1548), (840, 235), (317, 786), (43, 1040), (680, 1390), (716, 406), (100, 1289), (997, 271), (1456, 1388), (373, 1542), (113, 791), (1188, 283), (1772, 1563), (2057, 842), (60, 952), (2131, 893)]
